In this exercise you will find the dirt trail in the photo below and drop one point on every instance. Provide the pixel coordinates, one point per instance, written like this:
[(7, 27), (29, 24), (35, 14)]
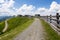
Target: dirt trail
[(34, 32), (6, 26)]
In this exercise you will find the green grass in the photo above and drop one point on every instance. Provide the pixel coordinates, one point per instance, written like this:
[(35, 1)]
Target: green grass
[(14, 22), (15, 29), (51, 34), (2, 25)]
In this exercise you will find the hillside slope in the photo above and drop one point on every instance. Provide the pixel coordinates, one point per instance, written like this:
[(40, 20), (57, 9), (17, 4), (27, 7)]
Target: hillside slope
[(14, 22), (2, 24), (16, 25)]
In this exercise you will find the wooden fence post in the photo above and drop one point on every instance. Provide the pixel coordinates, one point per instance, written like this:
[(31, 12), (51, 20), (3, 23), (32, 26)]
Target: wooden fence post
[(47, 17), (50, 18), (57, 17)]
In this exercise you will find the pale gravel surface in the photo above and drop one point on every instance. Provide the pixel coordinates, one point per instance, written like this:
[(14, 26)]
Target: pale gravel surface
[(34, 32)]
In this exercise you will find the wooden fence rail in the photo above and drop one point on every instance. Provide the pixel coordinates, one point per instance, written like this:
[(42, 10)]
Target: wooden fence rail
[(57, 19)]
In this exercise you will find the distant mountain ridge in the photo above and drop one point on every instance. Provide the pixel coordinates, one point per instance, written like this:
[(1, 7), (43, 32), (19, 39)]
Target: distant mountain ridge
[(2, 18)]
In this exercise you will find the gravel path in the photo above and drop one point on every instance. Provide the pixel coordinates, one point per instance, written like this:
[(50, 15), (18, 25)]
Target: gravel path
[(34, 32)]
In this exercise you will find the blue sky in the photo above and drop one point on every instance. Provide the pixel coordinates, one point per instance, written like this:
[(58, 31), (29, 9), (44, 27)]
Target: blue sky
[(36, 3), (29, 7)]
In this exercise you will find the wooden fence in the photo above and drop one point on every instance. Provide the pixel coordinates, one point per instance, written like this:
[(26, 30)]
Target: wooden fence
[(56, 19)]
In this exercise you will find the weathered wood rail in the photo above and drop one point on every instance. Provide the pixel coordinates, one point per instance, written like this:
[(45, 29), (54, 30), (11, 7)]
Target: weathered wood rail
[(56, 19), (53, 20)]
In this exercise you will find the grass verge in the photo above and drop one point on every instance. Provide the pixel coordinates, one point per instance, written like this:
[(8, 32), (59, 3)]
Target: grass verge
[(2, 25), (9, 35), (50, 33)]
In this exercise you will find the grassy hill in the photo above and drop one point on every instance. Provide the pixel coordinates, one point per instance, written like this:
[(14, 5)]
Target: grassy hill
[(16, 25), (14, 22), (2, 24)]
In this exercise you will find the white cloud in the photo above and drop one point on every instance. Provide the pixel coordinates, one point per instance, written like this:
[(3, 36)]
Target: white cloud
[(7, 7), (1, 1), (7, 4), (26, 9), (54, 8), (58, 11), (41, 11)]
